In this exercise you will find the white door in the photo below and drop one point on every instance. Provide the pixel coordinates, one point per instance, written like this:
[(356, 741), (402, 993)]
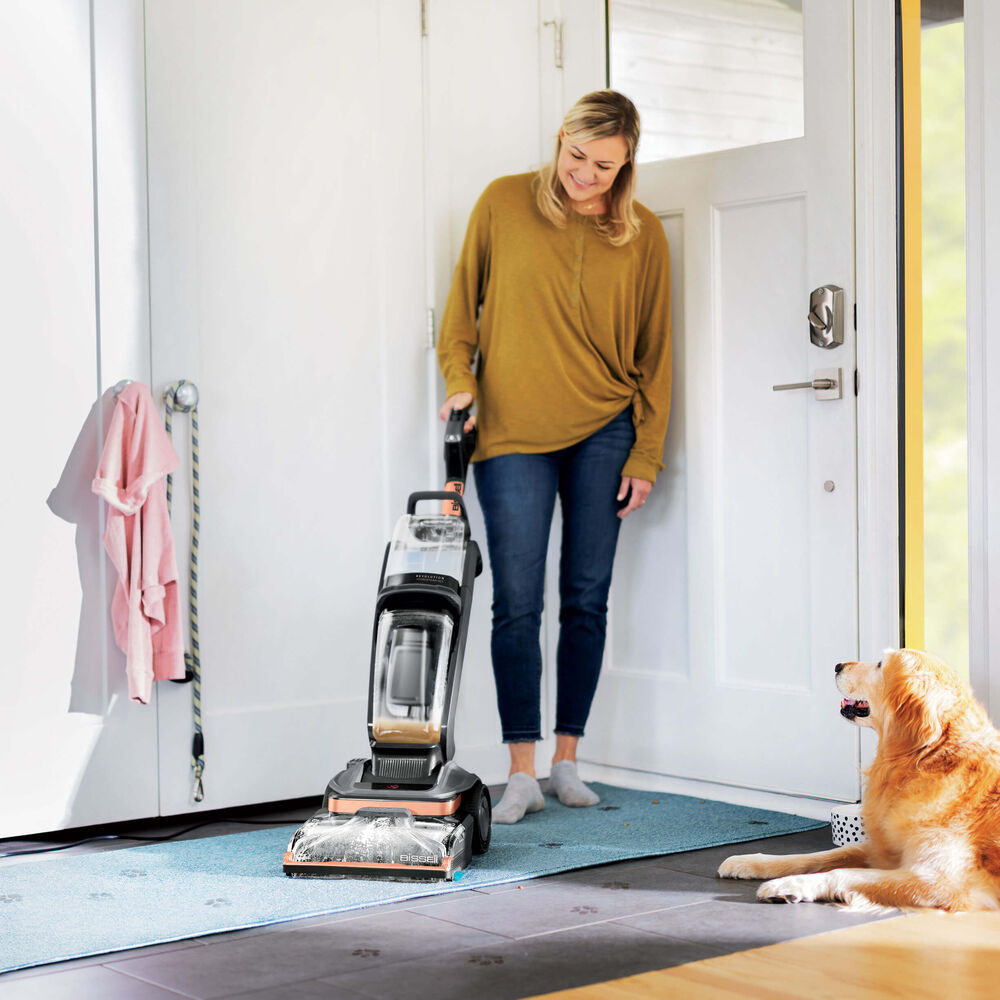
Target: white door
[(735, 592), (287, 282)]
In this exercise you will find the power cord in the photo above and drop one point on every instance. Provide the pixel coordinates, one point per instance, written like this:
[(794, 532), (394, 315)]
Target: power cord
[(171, 836)]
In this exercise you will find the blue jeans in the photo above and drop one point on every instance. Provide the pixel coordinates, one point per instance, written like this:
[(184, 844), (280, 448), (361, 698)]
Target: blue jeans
[(517, 494)]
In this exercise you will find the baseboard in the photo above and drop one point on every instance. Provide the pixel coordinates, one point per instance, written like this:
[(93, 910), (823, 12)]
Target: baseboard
[(491, 763), (799, 805)]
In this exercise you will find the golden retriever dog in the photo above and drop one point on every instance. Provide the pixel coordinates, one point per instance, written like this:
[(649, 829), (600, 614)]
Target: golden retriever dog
[(931, 805)]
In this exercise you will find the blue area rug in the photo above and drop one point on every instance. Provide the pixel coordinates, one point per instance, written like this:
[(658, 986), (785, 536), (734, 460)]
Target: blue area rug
[(90, 904)]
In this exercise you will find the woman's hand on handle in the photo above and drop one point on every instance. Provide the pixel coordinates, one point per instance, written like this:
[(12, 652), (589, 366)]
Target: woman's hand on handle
[(636, 490), (460, 401)]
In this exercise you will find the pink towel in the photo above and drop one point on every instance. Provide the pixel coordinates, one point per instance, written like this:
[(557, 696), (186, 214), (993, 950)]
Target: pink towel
[(131, 477)]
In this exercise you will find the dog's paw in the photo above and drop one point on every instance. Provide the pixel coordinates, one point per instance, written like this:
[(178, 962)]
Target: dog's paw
[(854, 901), (792, 889), (744, 866)]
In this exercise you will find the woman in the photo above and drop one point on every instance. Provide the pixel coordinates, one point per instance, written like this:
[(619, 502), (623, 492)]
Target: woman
[(572, 389)]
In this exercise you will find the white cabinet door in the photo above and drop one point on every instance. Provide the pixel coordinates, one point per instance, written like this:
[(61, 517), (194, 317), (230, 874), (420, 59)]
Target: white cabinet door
[(485, 121), (496, 98), (736, 588), (287, 281)]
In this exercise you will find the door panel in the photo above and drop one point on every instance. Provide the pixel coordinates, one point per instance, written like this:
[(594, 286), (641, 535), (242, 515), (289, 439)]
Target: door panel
[(763, 546), (287, 275)]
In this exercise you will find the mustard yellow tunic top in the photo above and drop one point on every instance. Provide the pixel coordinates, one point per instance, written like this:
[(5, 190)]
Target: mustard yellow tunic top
[(572, 330)]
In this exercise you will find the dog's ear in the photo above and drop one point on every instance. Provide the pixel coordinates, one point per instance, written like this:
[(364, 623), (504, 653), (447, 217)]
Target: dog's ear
[(917, 701)]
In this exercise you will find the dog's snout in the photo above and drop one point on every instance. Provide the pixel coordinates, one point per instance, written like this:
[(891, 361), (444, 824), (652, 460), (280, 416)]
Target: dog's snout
[(838, 668)]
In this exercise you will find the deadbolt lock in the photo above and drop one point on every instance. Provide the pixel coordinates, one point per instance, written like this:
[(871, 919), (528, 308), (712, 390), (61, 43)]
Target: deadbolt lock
[(826, 316)]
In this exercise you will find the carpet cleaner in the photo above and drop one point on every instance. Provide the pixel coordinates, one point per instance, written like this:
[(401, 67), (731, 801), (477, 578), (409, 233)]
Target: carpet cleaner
[(409, 811)]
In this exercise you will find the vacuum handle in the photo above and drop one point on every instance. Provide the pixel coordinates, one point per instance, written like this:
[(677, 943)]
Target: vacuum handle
[(447, 495), (459, 445)]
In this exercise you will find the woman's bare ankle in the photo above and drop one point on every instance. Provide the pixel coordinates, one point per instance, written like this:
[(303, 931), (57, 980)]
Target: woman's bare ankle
[(565, 748), (522, 758)]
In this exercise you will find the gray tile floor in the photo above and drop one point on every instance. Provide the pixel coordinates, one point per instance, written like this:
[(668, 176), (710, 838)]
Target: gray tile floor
[(507, 941)]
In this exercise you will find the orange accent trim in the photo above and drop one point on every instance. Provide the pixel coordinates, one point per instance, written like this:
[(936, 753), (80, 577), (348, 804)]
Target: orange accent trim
[(444, 866), (448, 507), (420, 808)]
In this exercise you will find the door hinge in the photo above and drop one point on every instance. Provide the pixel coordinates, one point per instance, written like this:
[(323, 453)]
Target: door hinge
[(423, 18), (557, 27), (856, 381), (855, 317), (430, 327)]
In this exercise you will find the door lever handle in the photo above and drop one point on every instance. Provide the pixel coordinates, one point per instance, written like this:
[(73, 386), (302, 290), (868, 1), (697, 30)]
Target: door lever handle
[(827, 383), (816, 383)]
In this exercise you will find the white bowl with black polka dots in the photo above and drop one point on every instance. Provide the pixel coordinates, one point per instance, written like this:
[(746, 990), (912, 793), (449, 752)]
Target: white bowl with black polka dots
[(847, 825)]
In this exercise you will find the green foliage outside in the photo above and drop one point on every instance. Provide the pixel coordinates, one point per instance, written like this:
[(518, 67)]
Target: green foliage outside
[(946, 526)]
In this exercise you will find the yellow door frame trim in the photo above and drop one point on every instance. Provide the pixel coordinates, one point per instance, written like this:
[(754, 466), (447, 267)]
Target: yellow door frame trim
[(913, 380)]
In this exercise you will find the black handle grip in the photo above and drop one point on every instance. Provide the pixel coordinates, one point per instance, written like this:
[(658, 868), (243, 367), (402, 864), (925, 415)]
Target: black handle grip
[(459, 445), (455, 428), (415, 498)]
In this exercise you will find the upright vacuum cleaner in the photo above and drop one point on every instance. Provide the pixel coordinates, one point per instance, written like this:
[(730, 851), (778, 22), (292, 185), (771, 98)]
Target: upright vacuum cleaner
[(409, 811)]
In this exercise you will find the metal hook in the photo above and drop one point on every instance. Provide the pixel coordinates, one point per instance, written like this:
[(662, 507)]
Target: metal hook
[(183, 395)]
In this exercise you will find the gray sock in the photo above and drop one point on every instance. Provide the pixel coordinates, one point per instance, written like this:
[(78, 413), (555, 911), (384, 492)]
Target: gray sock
[(566, 783), (522, 795)]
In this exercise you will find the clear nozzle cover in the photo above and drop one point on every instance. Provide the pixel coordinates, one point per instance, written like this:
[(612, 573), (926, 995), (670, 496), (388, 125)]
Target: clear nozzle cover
[(377, 837)]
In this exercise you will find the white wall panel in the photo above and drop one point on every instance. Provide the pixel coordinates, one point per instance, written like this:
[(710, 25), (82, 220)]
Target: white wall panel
[(73, 750), (982, 32)]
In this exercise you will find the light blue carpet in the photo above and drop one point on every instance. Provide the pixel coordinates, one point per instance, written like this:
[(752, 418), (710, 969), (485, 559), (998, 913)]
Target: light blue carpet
[(67, 907)]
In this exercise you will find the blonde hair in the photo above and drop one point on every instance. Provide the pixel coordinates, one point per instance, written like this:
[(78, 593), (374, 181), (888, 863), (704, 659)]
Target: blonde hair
[(599, 115)]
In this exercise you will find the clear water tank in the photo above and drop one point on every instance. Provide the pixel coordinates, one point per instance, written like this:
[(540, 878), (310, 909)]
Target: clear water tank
[(412, 649), (423, 543)]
